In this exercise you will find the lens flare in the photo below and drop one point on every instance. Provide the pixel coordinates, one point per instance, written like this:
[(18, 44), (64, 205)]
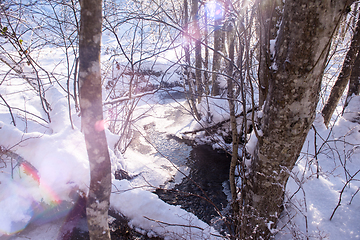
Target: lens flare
[(100, 125), (48, 193), (214, 10)]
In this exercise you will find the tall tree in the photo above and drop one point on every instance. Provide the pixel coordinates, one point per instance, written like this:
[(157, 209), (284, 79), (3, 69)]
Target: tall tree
[(344, 77), (268, 19), (219, 40), (300, 56), (354, 83), (230, 30), (92, 122), (191, 90), (198, 59)]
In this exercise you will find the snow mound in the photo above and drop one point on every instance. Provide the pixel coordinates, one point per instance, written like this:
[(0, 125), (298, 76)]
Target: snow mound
[(146, 211)]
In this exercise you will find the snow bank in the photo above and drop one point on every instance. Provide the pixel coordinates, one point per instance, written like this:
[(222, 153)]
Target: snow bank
[(313, 199), (47, 170), (147, 211)]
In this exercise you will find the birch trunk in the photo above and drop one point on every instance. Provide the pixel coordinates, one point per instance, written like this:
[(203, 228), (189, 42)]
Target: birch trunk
[(301, 49), (92, 122)]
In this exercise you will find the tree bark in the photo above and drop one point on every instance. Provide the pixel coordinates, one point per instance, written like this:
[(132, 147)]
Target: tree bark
[(354, 84), (190, 93), (198, 59), (344, 76), (233, 124), (92, 122), (219, 39), (301, 49), (267, 31), (206, 57)]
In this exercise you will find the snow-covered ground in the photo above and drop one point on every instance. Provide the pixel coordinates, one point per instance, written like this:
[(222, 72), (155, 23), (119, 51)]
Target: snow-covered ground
[(52, 168), (44, 166)]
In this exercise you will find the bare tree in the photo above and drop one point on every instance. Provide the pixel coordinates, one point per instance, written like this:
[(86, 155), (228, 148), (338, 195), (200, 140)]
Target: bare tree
[(300, 56), (354, 83), (344, 77), (268, 18), (230, 29), (198, 59), (219, 41), (92, 122)]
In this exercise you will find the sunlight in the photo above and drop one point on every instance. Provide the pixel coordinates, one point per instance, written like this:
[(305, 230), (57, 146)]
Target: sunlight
[(214, 10)]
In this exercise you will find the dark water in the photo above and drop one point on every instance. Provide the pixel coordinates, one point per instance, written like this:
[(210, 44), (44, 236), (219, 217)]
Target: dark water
[(202, 191)]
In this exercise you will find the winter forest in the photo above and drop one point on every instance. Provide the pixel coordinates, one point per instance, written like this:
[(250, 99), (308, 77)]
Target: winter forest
[(190, 119)]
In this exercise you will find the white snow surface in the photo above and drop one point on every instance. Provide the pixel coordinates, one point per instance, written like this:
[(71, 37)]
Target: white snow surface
[(59, 156), (56, 165), (146, 210)]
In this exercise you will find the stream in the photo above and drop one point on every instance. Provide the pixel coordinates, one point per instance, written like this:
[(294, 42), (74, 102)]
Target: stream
[(202, 192), (200, 186), (204, 189)]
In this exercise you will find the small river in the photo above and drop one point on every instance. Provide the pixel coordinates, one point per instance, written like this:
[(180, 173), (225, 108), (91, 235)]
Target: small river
[(204, 189)]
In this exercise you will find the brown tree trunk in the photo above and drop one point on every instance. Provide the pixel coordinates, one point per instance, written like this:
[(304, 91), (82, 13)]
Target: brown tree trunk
[(344, 76), (301, 48), (92, 122), (354, 84), (268, 19)]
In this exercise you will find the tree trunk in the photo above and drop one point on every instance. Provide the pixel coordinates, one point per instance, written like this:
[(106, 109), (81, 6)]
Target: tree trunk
[(231, 100), (206, 57), (198, 59), (219, 38), (289, 110), (267, 31), (344, 76), (92, 122), (354, 84), (189, 93)]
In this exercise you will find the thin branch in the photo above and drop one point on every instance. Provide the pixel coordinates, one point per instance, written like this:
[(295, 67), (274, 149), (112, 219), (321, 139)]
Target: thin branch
[(172, 224), (8, 106), (342, 191)]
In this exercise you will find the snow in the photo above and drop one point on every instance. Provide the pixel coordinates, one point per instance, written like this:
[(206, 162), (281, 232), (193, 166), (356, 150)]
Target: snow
[(57, 152), (53, 167), (272, 47), (59, 155), (145, 209), (318, 197), (251, 144)]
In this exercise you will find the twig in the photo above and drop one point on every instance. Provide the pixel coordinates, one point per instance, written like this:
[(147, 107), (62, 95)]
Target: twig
[(172, 224), (354, 195), (316, 153), (342, 191), (127, 98), (8, 106)]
